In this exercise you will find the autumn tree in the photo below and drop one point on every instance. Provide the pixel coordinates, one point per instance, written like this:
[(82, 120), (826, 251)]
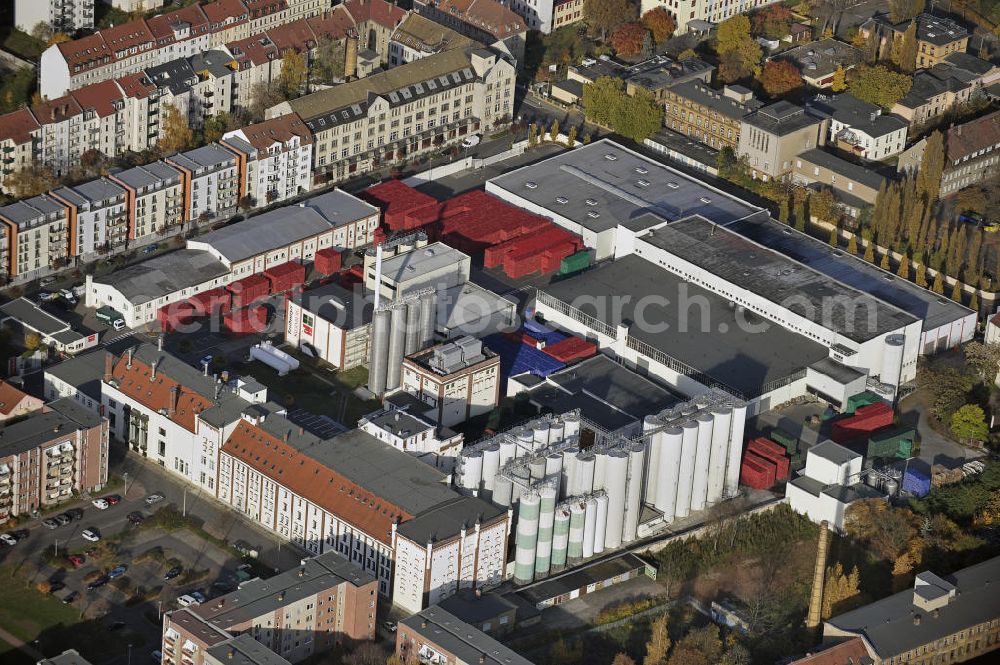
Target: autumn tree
[(773, 21), (839, 589), (554, 131), (262, 97), (658, 645), (823, 205), (885, 530), (294, 74), (738, 52), (879, 85), (215, 127), (984, 359), (780, 77), (904, 267), (904, 53), (969, 423), (938, 286), (660, 23), (839, 82), (627, 39), (565, 653), (606, 15), (328, 64), (904, 10), (638, 117), (367, 653), (921, 277), (699, 646), (687, 54), (931, 167), (623, 659), (30, 181), (176, 131)]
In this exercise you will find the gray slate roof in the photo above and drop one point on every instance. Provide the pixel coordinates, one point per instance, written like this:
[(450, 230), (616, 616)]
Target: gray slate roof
[(447, 519), (841, 166), (781, 118), (858, 114), (165, 274), (467, 643), (155, 174)]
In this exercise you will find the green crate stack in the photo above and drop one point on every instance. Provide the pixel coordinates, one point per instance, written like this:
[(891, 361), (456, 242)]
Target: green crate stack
[(861, 399), (574, 263), (894, 442), (783, 438)]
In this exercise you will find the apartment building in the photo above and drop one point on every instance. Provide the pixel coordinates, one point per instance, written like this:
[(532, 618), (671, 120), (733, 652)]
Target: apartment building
[(211, 181), (35, 236), (154, 199), (459, 545), (855, 186), (972, 153), (437, 636), (771, 138), (15, 403), (325, 603), (19, 138), (50, 454), (949, 619), (275, 157), (485, 21), (408, 110), (130, 6), (97, 216), (59, 15), (937, 90), (709, 116), (937, 37), (459, 380), (860, 128), (418, 37), (695, 15)]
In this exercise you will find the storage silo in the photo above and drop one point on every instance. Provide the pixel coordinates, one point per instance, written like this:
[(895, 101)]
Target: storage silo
[(546, 518), (557, 431), (377, 362), (652, 466), (689, 450), (892, 359), (524, 437), (633, 499), (601, 523), (723, 417), (739, 421), (536, 466), (527, 537), (577, 522), (571, 421), (540, 432), (472, 471), (397, 344), (589, 527), (600, 469), (491, 465), (584, 464), (412, 326), (560, 538), (508, 449), (553, 465), (668, 471), (615, 486), (567, 484), (428, 315), (699, 486), (502, 486)]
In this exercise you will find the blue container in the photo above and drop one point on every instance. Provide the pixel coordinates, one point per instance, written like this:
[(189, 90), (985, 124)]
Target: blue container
[(916, 483)]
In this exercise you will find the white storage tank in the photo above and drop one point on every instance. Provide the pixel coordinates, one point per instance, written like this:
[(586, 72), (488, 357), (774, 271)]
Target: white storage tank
[(540, 433), (652, 465), (507, 450), (546, 518), (615, 486), (577, 523), (892, 359), (600, 469), (472, 471), (633, 499), (536, 466), (491, 465), (689, 450), (723, 417), (601, 524), (699, 486), (739, 422), (669, 471), (571, 421), (584, 464), (567, 486), (527, 537), (560, 538), (502, 486), (589, 527)]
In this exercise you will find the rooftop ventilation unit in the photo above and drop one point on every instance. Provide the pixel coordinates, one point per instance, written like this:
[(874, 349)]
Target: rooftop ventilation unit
[(705, 199), (591, 202), (562, 200), (593, 214), (673, 185), (531, 184), (641, 171), (611, 158), (642, 183)]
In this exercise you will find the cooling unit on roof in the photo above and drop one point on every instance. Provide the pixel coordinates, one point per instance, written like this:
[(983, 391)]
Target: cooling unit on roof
[(591, 202), (562, 199), (642, 183), (531, 184), (641, 171), (593, 214), (705, 199), (610, 157), (672, 185)]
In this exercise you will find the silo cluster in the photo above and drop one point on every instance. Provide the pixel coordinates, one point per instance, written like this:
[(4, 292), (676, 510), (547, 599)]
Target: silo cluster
[(398, 329)]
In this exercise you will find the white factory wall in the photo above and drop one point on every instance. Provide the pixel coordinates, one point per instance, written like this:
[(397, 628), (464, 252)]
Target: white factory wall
[(99, 295), (325, 337), (949, 335), (817, 508), (833, 388)]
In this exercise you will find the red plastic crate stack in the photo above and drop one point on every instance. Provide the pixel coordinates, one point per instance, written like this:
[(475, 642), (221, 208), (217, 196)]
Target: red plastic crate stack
[(570, 349), (403, 207), (757, 472), (247, 320), (866, 419), (475, 221), (175, 314), (328, 261), (248, 290), (211, 301), (771, 451), (542, 250), (286, 276)]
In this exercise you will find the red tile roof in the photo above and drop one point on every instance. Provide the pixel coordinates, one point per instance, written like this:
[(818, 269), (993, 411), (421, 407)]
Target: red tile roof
[(55, 110), (162, 25), (223, 11), (379, 11), (17, 126), (257, 50), (972, 136), (334, 24), (313, 481), (851, 652), (488, 15), (137, 86), (296, 35), (155, 394), (87, 52), (263, 135), (100, 97), (260, 8), (134, 34), (11, 397)]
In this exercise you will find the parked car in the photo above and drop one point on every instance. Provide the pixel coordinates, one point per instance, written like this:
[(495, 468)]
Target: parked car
[(149, 249), (153, 498), (113, 499), (63, 519), (246, 549), (101, 504), (98, 583), (50, 523), (75, 513), (187, 601), (173, 572), (76, 560), (116, 625), (91, 534), (157, 656), (199, 596), (117, 571), (46, 296), (70, 597), (471, 141), (56, 586), (20, 534), (135, 517), (8, 539)]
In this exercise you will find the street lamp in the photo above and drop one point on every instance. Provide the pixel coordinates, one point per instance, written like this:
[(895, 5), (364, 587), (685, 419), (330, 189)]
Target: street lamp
[(125, 476), (130, 654)]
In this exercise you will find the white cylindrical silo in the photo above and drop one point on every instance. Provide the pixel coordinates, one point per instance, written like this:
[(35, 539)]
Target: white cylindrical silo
[(633, 499), (546, 518), (584, 472), (571, 421), (412, 326), (428, 316), (536, 466), (557, 431), (652, 465), (472, 471), (699, 486), (397, 345), (589, 527), (567, 486), (649, 423), (892, 359), (525, 438), (689, 450), (508, 449), (553, 465), (502, 486), (668, 471), (723, 417), (560, 539), (527, 537), (601, 523), (600, 469), (615, 481), (577, 522), (739, 422), (491, 465), (540, 432), (379, 355)]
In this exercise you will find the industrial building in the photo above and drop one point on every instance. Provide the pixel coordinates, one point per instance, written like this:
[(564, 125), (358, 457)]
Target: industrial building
[(435, 265), (52, 331), (831, 481), (573, 501), (459, 380), (332, 323)]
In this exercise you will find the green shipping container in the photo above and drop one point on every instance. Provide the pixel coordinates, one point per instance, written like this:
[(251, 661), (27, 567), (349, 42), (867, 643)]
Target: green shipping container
[(893, 442), (861, 399), (574, 263), (785, 439)]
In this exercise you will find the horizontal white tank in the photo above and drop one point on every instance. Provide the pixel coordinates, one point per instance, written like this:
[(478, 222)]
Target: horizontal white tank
[(668, 472), (689, 451), (723, 417), (699, 486), (601, 524)]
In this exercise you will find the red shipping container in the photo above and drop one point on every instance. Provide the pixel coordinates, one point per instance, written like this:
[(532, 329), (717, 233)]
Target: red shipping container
[(211, 301), (328, 261), (285, 276), (760, 448), (571, 348), (757, 472), (248, 290), (248, 320), (865, 420)]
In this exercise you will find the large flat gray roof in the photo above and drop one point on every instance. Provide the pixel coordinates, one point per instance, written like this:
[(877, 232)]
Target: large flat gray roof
[(446, 520), (165, 274), (761, 270), (741, 355), (420, 261), (244, 650), (339, 207), (83, 372), (608, 175), (148, 175), (890, 624), (467, 643), (840, 166), (933, 309), (34, 317)]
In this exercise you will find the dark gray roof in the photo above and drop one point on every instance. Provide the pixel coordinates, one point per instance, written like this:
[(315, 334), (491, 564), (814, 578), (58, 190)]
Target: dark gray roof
[(214, 62), (684, 145), (833, 452), (476, 608), (821, 58), (841, 166), (467, 643), (852, 493), (731, 354), (582, 577), (339, 207), (68, 657), (244, 650), (969, 63), (34, 317), (33, 211), (807, 484), (165, 274), (446, 520), (84, 372), (399, 423), (93, 193), (928, 84), (573, 87), (346, 308), (207, 158), (605, 179), (600, 67), (758, 268), (933, 309), (890, 627), (40, 427), (936, 30), (700, 93), (858, 114), (781, 118), (155, 175), (661, 72), (176, 75), (837, 371)]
